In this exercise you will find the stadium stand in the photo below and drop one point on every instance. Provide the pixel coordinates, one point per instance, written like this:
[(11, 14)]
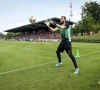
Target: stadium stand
[(37, 31)]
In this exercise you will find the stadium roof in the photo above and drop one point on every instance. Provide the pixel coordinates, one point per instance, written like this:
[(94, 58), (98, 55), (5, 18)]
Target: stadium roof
[(36, 26)]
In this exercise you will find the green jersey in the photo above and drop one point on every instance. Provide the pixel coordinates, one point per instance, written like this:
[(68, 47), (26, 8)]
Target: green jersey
[(65, 33)]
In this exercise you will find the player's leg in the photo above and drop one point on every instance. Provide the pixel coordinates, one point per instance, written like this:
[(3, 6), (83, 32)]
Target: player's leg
[(69, 51), (59, 59), (58, 56), (59, 49), (71, 55)]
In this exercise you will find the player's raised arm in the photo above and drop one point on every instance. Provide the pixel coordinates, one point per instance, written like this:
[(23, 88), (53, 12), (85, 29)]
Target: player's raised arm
[(62, 26)]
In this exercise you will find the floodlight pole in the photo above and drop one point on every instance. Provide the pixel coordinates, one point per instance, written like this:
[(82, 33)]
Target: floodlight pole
[(71, 16)]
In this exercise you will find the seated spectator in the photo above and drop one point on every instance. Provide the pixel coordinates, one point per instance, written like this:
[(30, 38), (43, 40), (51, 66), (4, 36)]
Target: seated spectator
[(38, 35)]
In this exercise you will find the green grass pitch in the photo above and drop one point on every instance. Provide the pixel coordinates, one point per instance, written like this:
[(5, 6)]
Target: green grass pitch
[(31, 66)]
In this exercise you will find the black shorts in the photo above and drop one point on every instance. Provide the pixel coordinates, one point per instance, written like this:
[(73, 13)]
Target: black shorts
[(65, 45)]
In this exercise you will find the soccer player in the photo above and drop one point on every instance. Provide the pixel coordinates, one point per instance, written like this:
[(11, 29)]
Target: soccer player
[(65, 44)]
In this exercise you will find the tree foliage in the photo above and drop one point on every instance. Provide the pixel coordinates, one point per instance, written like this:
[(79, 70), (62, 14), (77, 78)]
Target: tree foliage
[(9, 35), (90, 18), (92, 8), (1, 35)]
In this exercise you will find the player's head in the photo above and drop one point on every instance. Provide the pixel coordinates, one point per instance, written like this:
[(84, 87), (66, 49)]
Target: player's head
[(63, 19)]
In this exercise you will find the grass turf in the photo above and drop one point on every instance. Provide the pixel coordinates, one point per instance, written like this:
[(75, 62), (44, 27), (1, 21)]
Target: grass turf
[(15, 55)]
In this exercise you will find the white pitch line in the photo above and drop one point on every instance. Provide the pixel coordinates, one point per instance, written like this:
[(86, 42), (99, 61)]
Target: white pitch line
[(25, 68), (41, 64)]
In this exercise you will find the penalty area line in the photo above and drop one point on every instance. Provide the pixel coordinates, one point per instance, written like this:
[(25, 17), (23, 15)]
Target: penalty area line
[(11, 71)]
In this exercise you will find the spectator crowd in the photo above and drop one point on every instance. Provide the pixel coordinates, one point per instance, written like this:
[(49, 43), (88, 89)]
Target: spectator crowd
[(37, 36)]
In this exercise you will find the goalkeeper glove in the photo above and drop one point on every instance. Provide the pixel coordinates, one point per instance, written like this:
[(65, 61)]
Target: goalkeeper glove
[(52, 22), (47, 23)]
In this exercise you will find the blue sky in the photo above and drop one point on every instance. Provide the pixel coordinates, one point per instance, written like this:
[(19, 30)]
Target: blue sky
[(14, 13)]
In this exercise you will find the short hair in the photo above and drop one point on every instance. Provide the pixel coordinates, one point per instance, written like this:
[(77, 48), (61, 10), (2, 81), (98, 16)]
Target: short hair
[(64, 17)]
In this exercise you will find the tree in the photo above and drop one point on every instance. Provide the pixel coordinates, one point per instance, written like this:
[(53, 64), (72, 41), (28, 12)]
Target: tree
[(96, 28), (85, 25), (88, 23), (92, 8), (1, 35), (90, 18), (9, 35)]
